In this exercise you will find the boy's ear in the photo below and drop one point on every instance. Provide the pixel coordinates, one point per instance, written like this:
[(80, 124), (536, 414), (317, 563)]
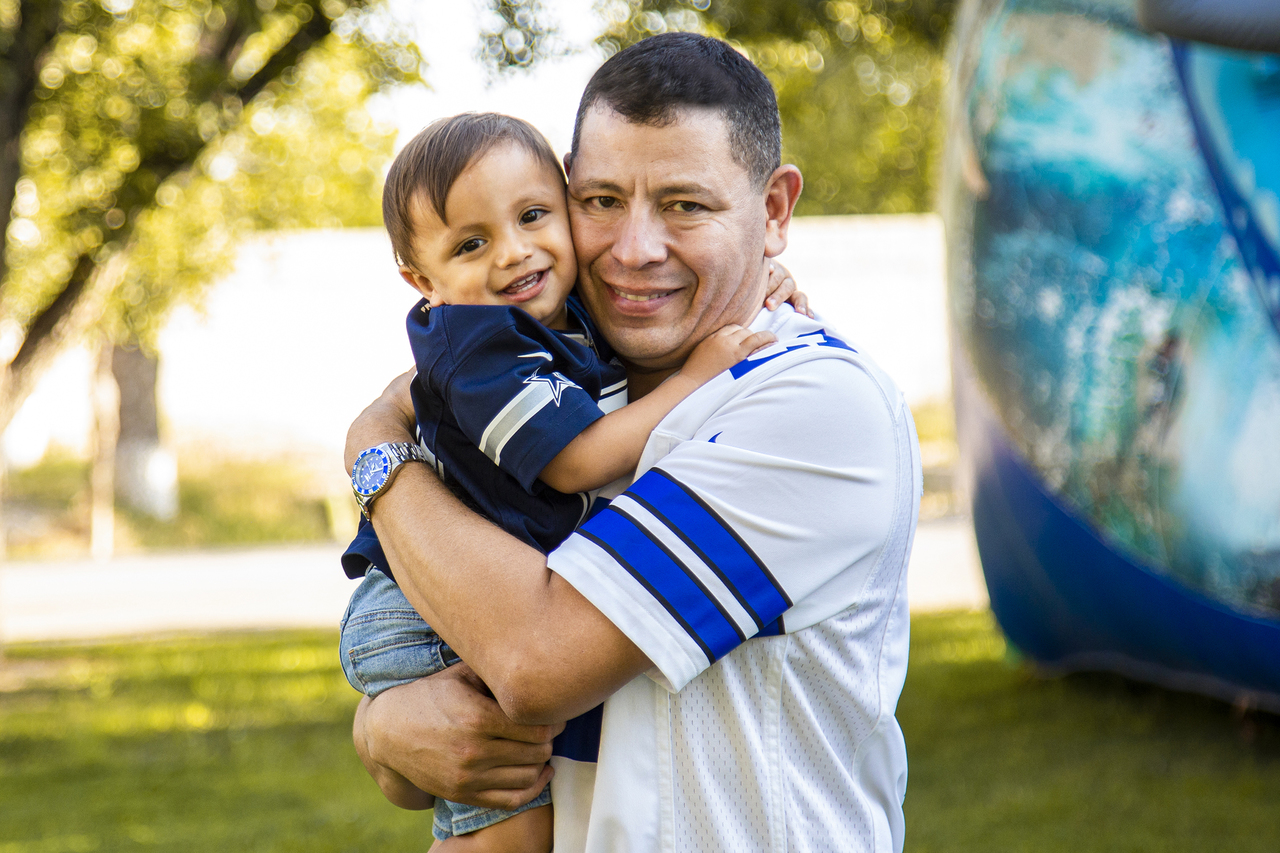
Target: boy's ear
[(423, 285)]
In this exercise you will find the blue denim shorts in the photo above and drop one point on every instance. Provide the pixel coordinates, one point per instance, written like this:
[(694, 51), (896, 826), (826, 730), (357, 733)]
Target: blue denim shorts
[(385, 643)]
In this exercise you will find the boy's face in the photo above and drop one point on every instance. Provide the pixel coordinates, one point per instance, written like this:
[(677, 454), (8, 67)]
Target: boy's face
[(507, 241)]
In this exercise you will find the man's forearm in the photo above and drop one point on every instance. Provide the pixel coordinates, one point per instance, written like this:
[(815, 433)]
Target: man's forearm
[(545, 651)]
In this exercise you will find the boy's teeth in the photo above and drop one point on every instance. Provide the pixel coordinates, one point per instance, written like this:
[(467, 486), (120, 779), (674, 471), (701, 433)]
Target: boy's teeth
[(524, 282)]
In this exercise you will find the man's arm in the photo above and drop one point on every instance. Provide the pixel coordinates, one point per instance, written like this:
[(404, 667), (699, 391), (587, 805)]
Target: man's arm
[(545, 652), (444, 734)]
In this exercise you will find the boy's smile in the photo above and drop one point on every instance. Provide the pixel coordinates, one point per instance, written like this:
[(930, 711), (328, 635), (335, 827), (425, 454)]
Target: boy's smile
[(504, 241)]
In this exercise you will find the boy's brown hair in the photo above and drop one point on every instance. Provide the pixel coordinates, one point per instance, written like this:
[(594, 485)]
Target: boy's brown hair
[(431, 162)]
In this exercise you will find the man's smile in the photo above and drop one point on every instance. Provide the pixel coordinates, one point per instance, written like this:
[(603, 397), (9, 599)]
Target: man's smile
[(639, 302)]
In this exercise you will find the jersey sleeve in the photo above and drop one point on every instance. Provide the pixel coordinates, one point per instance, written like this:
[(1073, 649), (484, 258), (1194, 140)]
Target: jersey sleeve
[(773, 516), (510, 397)]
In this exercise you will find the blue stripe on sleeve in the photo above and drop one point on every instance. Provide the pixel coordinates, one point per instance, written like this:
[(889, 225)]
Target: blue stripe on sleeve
[(674, 586), (819, 338), (715, 542)]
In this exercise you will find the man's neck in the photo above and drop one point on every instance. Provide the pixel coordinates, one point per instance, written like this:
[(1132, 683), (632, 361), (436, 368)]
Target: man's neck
[(641, 381)]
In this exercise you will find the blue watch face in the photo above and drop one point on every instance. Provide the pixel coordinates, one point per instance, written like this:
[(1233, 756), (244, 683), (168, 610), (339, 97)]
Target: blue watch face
[(370, 471)]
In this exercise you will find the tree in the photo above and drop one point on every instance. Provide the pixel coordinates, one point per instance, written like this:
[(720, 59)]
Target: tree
[(139, 136), (305, 153), (859, 86), (113, 113)]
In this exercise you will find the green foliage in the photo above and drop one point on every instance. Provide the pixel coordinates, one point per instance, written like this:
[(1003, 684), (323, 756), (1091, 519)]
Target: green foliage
[(235, 503), (240, 742), (139, 142), (516, 35), (220, 502), (243, 742), (859, 86), (1004, 761), (51, 485)]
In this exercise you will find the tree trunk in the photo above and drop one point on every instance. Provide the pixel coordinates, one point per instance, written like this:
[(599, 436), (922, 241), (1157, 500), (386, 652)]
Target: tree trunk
[(106, 423), (146, 472)]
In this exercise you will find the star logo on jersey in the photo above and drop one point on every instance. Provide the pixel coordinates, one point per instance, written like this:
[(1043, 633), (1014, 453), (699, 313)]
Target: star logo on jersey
[(555, 380)]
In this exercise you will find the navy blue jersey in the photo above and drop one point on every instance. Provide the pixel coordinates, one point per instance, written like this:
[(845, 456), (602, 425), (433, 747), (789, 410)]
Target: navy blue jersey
[(497, 397)]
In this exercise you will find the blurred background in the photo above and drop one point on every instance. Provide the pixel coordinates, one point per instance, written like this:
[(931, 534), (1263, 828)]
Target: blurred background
[(181, 242), (196, 298)]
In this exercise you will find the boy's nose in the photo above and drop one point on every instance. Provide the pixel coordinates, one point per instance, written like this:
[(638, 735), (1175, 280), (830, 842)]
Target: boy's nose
[(513, 251)]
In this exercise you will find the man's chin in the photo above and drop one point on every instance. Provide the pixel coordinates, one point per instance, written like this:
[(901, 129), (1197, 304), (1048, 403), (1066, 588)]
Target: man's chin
[(648, 347)]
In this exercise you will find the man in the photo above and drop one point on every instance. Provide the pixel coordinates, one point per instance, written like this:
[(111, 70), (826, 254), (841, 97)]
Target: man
[(742, 606)]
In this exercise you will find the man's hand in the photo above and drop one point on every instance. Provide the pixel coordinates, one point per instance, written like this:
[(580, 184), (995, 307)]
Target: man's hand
[(445, 734), (388, 418)]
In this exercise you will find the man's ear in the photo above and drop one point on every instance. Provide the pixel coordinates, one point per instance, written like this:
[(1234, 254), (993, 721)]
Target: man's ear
[(423, 285), (780, 197)]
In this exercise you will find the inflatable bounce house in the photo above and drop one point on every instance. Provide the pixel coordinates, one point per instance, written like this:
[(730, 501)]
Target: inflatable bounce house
[(1112, 199)]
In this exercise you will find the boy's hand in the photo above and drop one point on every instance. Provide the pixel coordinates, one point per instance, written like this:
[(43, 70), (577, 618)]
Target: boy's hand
[(781, 287), (723, 349)]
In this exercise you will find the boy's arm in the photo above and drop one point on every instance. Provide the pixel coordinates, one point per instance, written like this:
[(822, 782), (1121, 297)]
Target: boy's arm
[(570, 657), (610, 447)]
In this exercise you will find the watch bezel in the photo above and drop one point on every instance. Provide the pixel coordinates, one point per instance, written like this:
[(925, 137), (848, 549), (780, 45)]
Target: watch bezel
[(361, 460)]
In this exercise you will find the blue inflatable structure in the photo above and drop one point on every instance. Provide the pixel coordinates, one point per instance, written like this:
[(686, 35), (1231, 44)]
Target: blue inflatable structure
[(1112, 199)]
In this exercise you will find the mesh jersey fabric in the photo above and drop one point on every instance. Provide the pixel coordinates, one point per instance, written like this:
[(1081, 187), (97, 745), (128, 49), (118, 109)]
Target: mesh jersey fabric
[(759, 561)]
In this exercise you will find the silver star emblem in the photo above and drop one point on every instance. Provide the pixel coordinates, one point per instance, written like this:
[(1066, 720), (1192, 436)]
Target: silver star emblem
[(555, 380)]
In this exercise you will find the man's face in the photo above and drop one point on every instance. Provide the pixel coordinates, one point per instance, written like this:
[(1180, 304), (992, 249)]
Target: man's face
[(669, 233)]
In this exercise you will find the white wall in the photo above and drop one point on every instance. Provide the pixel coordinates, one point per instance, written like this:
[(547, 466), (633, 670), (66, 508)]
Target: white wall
[(309, 327)]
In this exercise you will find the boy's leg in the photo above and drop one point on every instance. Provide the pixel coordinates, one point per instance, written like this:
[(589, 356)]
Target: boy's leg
[(384, 641), (526, 832)]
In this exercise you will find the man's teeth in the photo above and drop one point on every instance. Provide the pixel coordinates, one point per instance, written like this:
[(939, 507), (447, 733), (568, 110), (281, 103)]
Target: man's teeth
[(630, 297)]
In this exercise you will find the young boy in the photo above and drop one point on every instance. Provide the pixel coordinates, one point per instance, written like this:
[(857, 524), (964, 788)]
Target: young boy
[(521, 406)]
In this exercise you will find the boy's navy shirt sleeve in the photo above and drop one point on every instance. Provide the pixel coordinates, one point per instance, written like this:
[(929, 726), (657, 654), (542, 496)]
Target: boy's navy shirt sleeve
[(365, 550), (476, 352), (518, 390)]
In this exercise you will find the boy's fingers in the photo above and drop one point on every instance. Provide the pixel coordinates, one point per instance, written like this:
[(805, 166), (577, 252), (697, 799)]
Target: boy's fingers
[(757, 341)]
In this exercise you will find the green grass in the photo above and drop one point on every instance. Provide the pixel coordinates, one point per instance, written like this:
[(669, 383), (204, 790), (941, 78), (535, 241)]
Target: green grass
[(1003, 761), (232, 743), (242, 742)]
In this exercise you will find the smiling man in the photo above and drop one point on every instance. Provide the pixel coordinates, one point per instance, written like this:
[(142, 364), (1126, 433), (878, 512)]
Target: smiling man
[(740, 610)]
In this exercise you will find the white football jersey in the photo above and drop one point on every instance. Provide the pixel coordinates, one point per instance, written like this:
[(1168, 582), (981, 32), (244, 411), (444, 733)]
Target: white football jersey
[(759, 560)]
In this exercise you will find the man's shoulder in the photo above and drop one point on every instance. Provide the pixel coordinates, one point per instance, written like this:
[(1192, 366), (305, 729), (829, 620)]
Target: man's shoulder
[(811, 361)]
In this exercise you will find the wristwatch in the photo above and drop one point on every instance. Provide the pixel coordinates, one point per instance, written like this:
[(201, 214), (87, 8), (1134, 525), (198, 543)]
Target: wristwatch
[(377, 466)]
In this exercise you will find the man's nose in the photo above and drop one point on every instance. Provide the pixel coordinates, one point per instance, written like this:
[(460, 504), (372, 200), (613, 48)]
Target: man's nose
[(640, 239)]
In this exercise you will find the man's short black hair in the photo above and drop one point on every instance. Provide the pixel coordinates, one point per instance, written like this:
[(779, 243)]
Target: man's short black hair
[(649, 81)]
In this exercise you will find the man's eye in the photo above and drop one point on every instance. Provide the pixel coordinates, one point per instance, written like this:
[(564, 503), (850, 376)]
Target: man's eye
[(686, 207), (470, 246), (531, 216), (604, 201)]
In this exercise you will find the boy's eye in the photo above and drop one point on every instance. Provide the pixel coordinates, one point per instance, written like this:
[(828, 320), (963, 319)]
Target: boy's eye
[(531, 216), (470, 246)]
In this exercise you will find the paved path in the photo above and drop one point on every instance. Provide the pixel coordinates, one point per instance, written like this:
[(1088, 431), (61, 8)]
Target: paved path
[(294, 587)]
